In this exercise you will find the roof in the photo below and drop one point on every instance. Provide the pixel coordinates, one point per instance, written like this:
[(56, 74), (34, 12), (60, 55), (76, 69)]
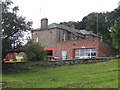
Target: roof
[(85, 32), (69, 29)]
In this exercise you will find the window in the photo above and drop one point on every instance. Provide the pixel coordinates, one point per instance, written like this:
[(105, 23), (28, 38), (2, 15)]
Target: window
[(64, 54), (63, 37), (93, 53), (37, 39), (77, 53), (85, 53)]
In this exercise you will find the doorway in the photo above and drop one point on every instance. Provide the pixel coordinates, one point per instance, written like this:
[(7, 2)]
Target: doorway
[(64, 54)]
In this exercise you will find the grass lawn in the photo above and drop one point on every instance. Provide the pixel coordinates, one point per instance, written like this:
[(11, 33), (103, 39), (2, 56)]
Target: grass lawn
[(96, 75)]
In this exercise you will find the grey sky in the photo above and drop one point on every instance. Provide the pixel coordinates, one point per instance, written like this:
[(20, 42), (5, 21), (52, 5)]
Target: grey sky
[(62, 10)]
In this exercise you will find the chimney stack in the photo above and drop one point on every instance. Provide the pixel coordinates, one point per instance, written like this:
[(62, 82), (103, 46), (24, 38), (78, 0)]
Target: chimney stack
[(44, 23)]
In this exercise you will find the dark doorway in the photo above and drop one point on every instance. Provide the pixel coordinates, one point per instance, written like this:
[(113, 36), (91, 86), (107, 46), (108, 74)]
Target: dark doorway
[(49, 52)]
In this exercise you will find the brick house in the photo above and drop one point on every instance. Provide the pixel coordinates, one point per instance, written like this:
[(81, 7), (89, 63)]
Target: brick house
[(68, 42)]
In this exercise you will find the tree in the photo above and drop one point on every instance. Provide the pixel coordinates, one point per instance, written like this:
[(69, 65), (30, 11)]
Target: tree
[(13, 28), (115, 34), (105, 21), (34, 51), (89, 23)]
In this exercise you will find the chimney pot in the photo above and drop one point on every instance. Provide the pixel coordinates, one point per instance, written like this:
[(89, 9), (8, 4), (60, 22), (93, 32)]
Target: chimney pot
[(44, 23)]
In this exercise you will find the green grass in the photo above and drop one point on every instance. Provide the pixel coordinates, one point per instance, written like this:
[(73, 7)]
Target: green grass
[(96, 75)]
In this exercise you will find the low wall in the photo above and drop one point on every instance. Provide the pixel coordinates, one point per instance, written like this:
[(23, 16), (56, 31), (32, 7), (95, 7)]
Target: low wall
[(70, 62)]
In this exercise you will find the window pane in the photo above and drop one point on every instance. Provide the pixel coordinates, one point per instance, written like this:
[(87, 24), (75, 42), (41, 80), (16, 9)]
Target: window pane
[(93, 53), (85, 53)]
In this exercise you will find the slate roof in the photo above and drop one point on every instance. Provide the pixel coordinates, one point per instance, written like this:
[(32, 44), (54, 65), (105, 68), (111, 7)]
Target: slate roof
[(69, 29), (85, 32)]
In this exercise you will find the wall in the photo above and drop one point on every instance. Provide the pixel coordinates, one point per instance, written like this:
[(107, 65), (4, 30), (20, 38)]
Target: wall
[(68, 45), (105, 50), (51, 39), (46, 37), (68, 35)]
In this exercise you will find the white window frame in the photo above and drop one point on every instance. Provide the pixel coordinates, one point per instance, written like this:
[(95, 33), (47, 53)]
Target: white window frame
[(64, 36), (64, 54), (85, 53), (37, 39)]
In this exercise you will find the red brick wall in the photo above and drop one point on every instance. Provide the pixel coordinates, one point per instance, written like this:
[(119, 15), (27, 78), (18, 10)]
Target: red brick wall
[(68, 46), (105, 50), (50, 39), (102, 48)]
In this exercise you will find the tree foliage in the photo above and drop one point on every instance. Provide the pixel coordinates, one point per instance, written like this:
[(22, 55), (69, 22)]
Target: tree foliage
[(13, 28), (105, 21), (115, 34), (34, 51)]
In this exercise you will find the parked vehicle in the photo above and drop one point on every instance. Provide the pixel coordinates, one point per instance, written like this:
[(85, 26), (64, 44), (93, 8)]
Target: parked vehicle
[(57, 58), (14, 57), (54, 58)]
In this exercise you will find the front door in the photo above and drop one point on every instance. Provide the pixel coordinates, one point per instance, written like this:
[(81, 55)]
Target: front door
[(64, 54)]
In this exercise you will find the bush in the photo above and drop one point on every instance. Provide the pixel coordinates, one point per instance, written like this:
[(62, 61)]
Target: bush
[(34, 51)]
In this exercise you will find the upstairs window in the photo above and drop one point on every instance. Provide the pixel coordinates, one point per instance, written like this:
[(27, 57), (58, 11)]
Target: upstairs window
[(63, 39), (37, 39)]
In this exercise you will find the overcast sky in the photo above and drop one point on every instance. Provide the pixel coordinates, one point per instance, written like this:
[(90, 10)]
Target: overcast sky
[(61, 10)]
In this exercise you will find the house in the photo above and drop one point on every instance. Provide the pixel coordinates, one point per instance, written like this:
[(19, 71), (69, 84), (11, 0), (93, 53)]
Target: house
[(68, 42)]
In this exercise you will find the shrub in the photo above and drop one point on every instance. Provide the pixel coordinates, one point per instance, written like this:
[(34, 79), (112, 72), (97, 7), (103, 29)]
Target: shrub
[(34, 51)]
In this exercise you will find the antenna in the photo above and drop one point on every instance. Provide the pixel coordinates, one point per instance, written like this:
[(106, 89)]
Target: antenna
[(40, 16), (41, 8), (97, 29), (40, 13)]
